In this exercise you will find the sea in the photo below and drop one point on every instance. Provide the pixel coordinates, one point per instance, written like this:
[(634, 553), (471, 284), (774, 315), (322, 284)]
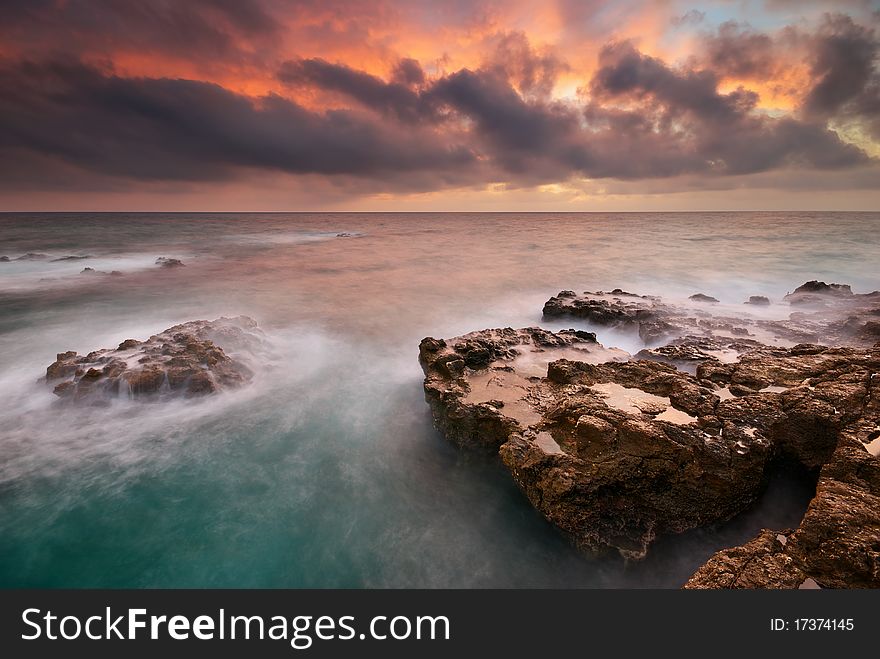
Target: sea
[(326, 471)]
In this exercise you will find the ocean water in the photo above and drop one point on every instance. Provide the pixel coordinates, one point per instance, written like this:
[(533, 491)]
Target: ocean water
[(326, 471)]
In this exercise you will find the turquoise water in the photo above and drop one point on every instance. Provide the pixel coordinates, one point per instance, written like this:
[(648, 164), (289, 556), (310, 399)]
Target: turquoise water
[(326, 472)]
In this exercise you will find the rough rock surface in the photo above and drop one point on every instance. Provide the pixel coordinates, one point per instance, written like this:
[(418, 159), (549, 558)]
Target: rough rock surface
[(687, 352), (617, 452), (837, 545), (186, 359), (480, 385)]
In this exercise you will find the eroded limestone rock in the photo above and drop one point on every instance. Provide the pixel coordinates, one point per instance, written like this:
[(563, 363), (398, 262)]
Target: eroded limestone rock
[(186, 360)]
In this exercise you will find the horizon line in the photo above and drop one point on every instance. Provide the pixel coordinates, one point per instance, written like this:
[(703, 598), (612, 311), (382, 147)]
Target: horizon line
[(446, 212)]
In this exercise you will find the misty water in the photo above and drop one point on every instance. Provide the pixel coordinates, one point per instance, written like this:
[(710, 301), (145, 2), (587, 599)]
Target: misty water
[(326, 470)]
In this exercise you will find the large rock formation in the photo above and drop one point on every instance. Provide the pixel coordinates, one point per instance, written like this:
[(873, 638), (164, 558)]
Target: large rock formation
[(617, 452), (186, 360)]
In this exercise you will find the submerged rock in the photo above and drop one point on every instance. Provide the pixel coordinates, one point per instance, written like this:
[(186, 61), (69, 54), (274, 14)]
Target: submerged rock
[(758, 300), (186, 360), (92, 271), (71, 258), (618, 452), (165, 262)]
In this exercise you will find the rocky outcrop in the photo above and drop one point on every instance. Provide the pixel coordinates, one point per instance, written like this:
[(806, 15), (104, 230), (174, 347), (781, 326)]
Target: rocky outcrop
[(617, 452), (185, 360), (758, 300), (813, 292), (829, 314)]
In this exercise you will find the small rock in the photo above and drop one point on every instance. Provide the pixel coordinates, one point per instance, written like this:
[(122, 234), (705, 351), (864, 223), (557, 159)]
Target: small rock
[(165, 262), (183, 359), (700, 297), (758, 300)]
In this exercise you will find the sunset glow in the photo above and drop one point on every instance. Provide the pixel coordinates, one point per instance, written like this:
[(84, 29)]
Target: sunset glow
[(486, 105)]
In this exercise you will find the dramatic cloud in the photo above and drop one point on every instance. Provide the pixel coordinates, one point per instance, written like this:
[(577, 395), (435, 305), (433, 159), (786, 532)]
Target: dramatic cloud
[(722, 130), (182, 129), (389, 97), (396, 98), (200, 28), (843, 65), (738, 51)]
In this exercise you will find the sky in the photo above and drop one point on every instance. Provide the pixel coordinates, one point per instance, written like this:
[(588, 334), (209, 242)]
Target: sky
[(482, 105)]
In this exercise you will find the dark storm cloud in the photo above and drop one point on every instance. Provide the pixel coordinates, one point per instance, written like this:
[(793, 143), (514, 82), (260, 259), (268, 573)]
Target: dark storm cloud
[(842, 56), (512, 132), (644, 119), (408, 72), (501, 114), (843, 65), (196, 28), (721, 131), (624, 71), (637, 118), (531, 73), (474, 127), (737, 50), (391, 97), (180, 129)]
